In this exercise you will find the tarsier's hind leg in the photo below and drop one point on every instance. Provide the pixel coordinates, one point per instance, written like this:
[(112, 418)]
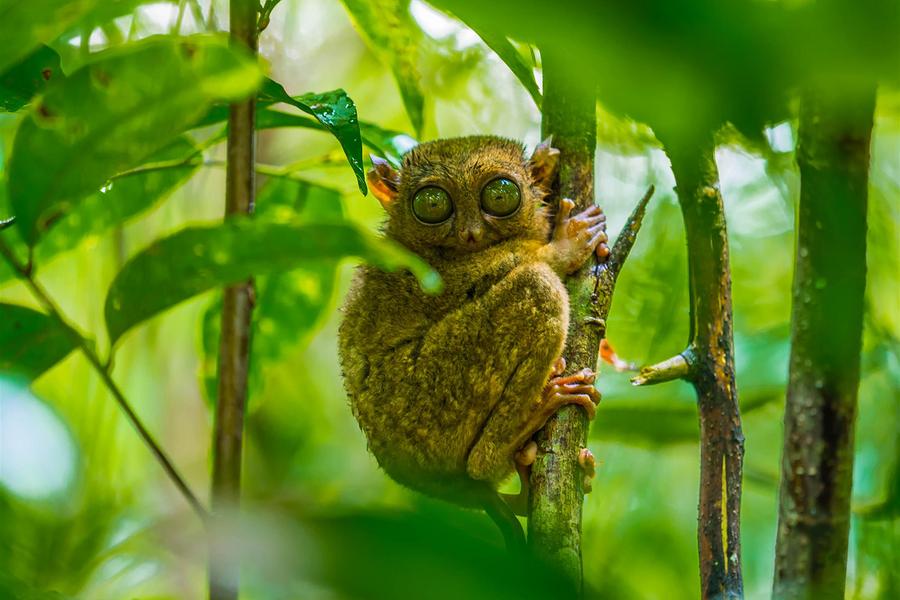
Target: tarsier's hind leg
[(491, 358), (501, 437)]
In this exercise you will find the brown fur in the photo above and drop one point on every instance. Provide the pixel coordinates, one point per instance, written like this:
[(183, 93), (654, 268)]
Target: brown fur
[(444, 386)]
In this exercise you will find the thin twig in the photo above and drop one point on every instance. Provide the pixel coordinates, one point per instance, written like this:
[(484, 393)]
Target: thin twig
[(677, 367), (265, 11), (237, 308), (84, 345)]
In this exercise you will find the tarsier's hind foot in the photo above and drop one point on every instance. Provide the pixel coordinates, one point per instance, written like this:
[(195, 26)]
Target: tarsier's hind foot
[(524, 458), (560, 390), (577, 388), (589, 469)]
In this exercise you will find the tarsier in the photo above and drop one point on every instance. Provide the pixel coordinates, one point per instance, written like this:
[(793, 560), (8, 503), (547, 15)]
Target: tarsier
[(449, 389)]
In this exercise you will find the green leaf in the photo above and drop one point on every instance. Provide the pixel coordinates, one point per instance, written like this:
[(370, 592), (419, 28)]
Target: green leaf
[(197, 259), (29, 77), (112, 114), (387, 143), (290, 304), (393, 36), (123, 198), (513, 59), (335, 111), (30, 341), (26, 25)]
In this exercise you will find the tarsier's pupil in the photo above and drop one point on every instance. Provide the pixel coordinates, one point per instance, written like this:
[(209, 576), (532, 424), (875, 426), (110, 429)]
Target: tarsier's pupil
[(432, 205), (500, 197)]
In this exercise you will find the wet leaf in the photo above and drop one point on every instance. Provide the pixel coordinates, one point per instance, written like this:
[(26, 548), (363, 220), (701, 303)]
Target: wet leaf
[(289, 305), (335, 111), (30, 341), (393, 36), (26, 25), (23, 81), (112, 114), (197, 259), (387, 143)]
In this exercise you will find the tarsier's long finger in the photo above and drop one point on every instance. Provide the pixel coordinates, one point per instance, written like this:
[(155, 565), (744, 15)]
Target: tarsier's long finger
[(591, 221), (583, 388), (582, 376), (602, 251), (576, 389), (591, 212), (582, 400), (565, 209), (598, 237)]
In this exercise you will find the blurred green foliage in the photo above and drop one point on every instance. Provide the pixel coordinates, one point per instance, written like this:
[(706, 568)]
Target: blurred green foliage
[(115, 161)]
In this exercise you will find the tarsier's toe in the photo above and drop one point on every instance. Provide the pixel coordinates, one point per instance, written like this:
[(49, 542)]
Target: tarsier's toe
[(589, 466), (583, 376), (582, 394), (527, 454), (559, 367)]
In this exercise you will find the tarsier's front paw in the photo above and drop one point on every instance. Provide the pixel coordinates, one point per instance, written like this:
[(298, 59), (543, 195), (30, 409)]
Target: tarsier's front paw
[(575, 238), (572, 389)]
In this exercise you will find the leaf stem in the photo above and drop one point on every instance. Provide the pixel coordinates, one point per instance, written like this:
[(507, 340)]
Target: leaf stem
[(24, 273)]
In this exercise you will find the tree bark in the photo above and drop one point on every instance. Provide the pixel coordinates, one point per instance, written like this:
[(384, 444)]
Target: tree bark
[(710, 362), (826, 340), (556, 484), (237, 306), (556, 497)]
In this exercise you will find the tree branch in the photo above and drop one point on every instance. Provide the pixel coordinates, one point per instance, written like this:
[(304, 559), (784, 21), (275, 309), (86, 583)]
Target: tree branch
[(237, 306), (711, 360), (677, 367), (556, 492), (25, 273), (826, 341)]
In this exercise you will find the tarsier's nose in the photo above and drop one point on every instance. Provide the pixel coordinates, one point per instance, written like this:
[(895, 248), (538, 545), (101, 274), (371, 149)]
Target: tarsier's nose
[(472, 235)]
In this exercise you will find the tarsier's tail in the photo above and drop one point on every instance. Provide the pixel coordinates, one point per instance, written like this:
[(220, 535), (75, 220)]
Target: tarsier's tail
[(504, 517)]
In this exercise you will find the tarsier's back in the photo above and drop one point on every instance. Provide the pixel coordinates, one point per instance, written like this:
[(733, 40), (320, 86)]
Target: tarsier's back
[(448, 388)]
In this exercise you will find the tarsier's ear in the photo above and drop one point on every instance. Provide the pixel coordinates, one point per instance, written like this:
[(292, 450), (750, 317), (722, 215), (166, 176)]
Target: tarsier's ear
[(384, 181), (543, 163)]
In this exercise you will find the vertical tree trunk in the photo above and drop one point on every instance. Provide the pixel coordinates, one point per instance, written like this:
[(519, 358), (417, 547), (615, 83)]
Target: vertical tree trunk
[(554, 523), (710, 363), (234, 343), (826, 339)]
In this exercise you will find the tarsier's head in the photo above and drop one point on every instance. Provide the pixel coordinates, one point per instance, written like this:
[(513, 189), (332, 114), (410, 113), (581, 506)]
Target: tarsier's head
[(462, 195)]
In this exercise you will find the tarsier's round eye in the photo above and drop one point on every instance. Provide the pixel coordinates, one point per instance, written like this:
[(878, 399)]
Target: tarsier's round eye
[(500, 197), (432, 205)]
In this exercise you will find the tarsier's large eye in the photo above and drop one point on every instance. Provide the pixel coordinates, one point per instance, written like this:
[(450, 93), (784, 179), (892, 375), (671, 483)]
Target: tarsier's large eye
[(500, 197), (432, 205)]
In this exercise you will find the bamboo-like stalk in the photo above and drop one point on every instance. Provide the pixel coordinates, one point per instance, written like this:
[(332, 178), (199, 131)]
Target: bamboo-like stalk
[(826, 340), (237, 306)]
